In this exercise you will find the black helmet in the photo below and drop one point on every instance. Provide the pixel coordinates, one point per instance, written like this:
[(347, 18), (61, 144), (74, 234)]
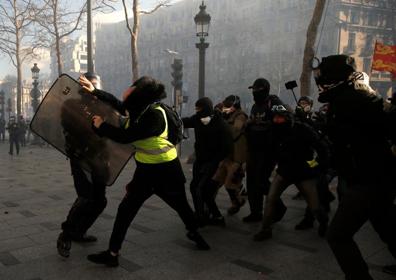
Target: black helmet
[(334, 69)]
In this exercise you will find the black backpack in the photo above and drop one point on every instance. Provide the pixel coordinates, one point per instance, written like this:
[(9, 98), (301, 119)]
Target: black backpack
[(175, 124)]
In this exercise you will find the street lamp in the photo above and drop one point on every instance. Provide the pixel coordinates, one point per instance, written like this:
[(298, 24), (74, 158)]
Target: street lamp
[(35, 94), (2, 103), (202, 22)]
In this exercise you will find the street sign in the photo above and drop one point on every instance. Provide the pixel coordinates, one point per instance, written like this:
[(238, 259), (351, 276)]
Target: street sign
[(64, 120)]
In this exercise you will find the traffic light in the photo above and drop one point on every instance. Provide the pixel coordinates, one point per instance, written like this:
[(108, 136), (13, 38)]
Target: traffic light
[(177, 73)]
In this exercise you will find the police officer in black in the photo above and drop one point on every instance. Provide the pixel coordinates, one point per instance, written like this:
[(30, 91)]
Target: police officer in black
[(259, 166), (90, 188), (14, 135), (363, 160)]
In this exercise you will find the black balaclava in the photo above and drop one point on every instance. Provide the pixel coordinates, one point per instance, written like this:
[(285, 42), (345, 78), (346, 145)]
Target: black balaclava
[(147, 91), (261, 89), (206, 107)]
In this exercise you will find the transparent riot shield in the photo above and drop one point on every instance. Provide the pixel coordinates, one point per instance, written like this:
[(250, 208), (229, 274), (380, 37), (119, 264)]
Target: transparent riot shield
[(64, 120)]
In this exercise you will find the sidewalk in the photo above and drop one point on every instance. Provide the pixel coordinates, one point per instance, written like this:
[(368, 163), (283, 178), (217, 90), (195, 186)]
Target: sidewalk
[(36, 193)]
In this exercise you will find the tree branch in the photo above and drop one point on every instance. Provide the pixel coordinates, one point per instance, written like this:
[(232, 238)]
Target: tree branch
[(165, 3)]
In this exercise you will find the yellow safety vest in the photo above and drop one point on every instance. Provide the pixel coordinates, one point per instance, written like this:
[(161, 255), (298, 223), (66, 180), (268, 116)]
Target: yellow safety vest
[(156, 149)]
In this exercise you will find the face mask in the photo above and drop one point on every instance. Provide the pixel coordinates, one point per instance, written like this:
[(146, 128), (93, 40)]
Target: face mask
[(259, 97), (206, 120)]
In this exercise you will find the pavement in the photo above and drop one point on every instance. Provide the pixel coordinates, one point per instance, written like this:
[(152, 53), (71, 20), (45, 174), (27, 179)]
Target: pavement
[(36, 193)]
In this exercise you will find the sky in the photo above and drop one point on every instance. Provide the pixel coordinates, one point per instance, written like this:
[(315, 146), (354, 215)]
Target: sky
[(6, 66)]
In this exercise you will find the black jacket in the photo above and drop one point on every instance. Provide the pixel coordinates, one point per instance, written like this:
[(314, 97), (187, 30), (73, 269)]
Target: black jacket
[(141, 125), (213, 142), (258, 124), (356, 127), (293, 147)]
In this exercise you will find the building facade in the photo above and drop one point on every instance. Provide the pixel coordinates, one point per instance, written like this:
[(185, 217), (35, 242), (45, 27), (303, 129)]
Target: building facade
[(73, 55), (248, 39), (361, 24)]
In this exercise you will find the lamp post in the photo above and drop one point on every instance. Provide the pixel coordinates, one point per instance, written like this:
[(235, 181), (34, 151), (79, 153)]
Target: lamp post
[(202, 22), (2, 103), (35, 94)]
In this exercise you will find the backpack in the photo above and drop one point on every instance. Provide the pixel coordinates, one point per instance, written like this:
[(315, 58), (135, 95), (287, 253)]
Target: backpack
[(175, 124)]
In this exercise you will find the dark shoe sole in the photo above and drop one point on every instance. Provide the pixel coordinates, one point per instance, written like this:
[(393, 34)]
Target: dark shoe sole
[(92, 258)]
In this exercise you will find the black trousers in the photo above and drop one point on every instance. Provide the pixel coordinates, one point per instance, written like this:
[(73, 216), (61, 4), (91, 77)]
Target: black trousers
[(166, 180), (203, 189), (356, 207), (14, 140), (90, 203), (258, 173)]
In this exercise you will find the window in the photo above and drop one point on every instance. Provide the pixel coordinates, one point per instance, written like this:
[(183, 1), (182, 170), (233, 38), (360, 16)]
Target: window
[(354, 19), (351, 41)]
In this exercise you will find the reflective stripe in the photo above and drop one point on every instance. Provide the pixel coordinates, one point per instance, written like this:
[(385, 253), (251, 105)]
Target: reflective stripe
[(156, 151)]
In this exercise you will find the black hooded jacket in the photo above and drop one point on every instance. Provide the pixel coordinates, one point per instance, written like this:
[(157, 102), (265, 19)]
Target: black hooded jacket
[(213, 142), (293, 146), (356, 126)]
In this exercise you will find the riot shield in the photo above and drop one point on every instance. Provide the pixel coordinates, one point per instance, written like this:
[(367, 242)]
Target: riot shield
[(64, 120)]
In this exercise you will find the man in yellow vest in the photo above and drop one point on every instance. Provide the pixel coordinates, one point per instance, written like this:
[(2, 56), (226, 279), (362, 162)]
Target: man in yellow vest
[(158, 169)]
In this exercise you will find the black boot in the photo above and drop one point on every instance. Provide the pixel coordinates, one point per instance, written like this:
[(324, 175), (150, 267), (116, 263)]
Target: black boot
[(105, 258), (84, 238), (323, 220), (63, 245), (198, 239), (217, 221)]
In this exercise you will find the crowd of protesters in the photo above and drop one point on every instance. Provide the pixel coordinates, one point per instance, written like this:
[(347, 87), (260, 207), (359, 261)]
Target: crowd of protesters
[(351, 137)]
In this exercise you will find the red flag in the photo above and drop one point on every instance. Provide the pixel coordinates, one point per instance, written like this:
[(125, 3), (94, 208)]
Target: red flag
[(384, 58)]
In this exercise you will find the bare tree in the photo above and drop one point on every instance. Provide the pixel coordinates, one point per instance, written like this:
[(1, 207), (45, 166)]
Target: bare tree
[(18, 40), (59, 22), (309, 51), (134, 31)]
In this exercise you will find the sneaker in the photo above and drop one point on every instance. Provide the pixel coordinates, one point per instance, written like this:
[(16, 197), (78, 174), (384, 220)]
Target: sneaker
[(264, 234), (217, 221), (198, 239), (390, 269), (105, 258), (304, 224), (63, 245), (253, 218), (84, 238)]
